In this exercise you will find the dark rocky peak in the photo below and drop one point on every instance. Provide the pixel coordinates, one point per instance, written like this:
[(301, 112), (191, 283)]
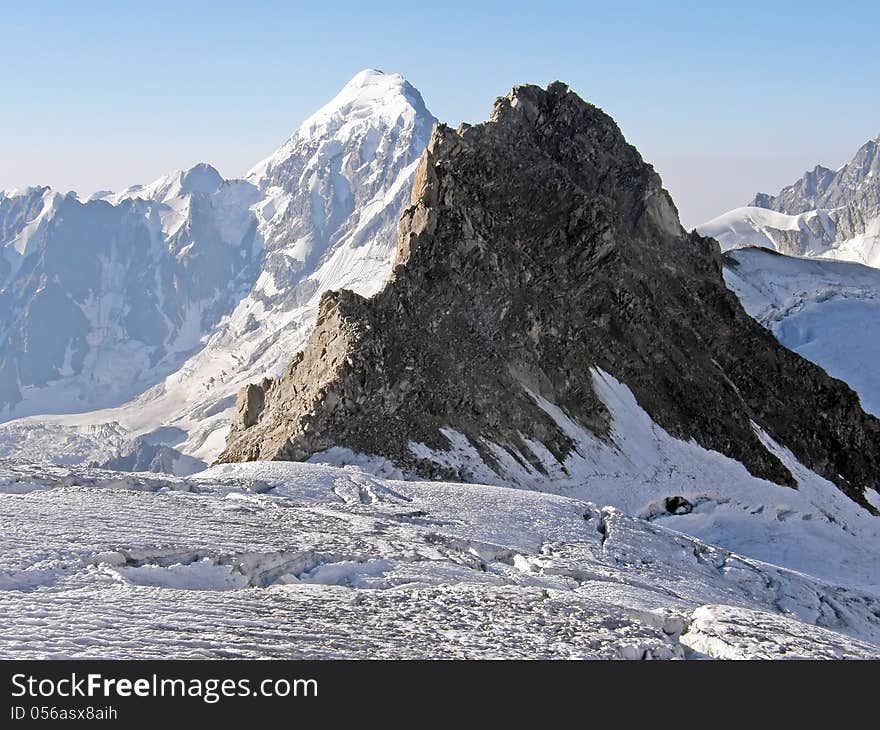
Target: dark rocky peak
[(864, 167), (539, 250), (762, 200)]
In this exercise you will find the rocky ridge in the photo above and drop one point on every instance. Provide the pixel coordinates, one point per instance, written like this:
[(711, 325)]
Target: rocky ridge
[(540, 246)]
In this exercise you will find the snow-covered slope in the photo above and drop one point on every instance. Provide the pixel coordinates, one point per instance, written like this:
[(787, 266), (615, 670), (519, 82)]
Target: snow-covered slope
[(319, 213), (827, 311), (285, 560), (642, 470), (752, 226), (829, 214)]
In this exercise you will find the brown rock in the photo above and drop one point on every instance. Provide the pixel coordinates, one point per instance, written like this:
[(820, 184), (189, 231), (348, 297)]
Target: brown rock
[(539, 245)]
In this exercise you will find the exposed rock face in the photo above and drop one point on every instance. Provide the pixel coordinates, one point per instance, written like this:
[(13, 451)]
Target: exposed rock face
[(539, 245), (801, 196), (856, 184), (250, 403)]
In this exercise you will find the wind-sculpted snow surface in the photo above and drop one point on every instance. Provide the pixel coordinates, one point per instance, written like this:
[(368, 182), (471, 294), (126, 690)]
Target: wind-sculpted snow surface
[(307, 561)]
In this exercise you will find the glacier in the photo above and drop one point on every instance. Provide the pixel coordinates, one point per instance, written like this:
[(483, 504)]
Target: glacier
[(826, 311), (329, 562)]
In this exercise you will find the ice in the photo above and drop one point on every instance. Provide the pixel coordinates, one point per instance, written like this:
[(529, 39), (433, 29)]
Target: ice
[(814, 528), (202, 575), (726, 632), (272, 559), (828, 312)]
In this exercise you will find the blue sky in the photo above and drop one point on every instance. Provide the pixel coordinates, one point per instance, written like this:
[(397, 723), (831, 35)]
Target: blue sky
[(725, 99)]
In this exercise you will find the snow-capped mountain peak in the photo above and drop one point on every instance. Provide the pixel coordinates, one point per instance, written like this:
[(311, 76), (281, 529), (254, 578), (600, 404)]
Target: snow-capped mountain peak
[(200, 178), (372, 99), (386, 97), (241, 267), (327, 187), (370, 91)]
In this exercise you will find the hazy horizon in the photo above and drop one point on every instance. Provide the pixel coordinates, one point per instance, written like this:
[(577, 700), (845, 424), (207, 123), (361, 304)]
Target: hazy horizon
[(723, 103)]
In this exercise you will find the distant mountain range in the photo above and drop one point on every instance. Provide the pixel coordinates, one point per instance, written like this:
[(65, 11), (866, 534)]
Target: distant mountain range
[(827, 213), (824, 309), (160, 301)]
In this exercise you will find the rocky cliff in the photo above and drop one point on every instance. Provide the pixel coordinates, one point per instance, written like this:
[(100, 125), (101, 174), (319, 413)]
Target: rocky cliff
[(539, 247)]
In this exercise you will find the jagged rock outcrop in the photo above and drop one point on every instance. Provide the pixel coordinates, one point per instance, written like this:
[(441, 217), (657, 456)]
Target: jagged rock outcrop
[(801, 196), (540, 245)]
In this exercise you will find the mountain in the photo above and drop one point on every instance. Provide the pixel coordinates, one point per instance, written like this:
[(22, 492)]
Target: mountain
[(544, 292), (334, 190), (319, 213), (548, 328), (826, 311), (98, 297), (827, 213)]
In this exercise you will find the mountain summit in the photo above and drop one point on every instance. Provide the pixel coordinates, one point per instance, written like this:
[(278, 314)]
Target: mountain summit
[(540, 259), (371, 100)]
